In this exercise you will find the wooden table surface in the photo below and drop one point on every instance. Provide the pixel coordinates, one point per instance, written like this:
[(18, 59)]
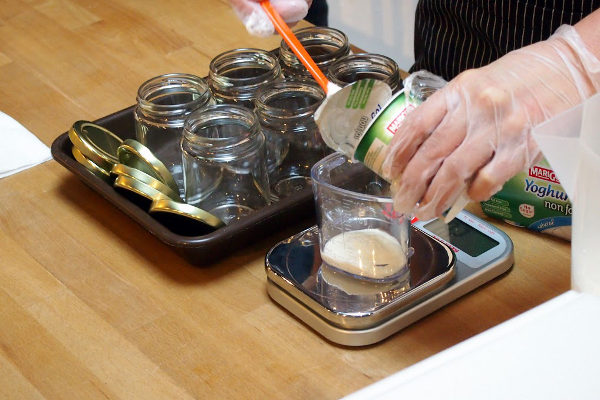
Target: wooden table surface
[(93, 306)]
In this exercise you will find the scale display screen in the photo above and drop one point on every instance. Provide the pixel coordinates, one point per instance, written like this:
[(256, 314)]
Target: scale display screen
[(463, 236)]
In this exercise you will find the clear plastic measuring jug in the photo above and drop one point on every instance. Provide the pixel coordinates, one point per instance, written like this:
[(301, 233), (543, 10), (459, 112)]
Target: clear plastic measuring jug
[(360, 234)]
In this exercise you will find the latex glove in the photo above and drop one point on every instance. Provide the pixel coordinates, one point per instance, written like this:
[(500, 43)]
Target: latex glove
[(256, 20), (475, 133)]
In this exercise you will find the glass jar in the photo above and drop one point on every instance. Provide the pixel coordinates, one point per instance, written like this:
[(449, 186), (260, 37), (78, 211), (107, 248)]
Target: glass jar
[(224, 162), (163, 103), (354, 67), (236, 75), (324, 45), (285, 111)]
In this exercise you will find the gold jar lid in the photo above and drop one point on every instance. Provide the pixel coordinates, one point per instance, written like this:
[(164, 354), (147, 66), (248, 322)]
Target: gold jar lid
[(138, 192), (184, 219), (96, 143), (122, 169), (90, 165), (135, 155)]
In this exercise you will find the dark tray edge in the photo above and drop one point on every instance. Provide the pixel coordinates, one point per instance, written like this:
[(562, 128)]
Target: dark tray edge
[(199, 250)]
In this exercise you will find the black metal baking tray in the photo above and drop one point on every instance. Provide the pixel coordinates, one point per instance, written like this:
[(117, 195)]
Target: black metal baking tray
[(198, 250)]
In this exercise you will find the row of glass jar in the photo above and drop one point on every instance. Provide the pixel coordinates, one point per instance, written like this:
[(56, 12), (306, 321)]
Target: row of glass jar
[(235, 75), (230, 159), (246, 136)]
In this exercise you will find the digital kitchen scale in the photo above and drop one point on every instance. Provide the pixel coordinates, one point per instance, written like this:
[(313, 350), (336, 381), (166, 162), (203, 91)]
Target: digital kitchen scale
[(449, 261)]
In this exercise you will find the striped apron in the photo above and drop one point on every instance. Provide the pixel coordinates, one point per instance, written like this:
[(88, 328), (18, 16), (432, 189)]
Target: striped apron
[(454, 35)]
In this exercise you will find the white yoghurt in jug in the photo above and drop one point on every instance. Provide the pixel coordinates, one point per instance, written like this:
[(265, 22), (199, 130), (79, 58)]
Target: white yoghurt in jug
[(368, 253)]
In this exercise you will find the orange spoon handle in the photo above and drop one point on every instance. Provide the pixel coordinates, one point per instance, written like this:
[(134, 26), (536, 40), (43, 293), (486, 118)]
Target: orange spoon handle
[(292, 41)]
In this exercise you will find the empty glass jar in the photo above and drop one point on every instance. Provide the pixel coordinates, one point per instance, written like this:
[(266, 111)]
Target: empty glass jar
[(163, 103), (236, 75), (354, 67), (286, 114), (224, 162), (325, 46)]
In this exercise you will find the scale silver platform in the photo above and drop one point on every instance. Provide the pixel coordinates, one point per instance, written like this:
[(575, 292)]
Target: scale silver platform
[(449, 261)]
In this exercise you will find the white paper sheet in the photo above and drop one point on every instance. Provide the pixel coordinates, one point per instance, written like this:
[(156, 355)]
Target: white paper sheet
[(19, 148)]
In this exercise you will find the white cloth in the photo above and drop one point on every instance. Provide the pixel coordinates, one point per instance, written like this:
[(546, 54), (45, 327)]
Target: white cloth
[(19, 148), (550, 352)]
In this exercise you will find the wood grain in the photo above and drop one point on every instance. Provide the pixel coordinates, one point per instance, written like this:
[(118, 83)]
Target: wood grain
[(93, 306)]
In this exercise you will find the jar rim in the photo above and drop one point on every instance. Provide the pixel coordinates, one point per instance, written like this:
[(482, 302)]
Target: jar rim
[(191, 83), (216, 115), (283, 88), (361, 62), (380, 59), (314, 33), (238, 56), (233, 89)]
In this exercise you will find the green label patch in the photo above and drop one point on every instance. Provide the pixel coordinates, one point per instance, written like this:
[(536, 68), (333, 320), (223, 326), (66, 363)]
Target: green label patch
[(359, 94)]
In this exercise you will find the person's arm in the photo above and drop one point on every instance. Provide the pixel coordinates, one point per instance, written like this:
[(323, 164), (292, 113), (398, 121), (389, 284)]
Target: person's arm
[(475, 133), (589, 30)]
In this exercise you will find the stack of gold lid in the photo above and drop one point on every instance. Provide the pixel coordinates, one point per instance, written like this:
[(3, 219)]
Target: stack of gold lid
[(137, 156), (183, 218), (140, 176), (94, 147)]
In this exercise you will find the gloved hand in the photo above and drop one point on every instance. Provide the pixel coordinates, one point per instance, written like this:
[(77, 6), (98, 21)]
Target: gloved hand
[(475, 133), (256, 20)]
